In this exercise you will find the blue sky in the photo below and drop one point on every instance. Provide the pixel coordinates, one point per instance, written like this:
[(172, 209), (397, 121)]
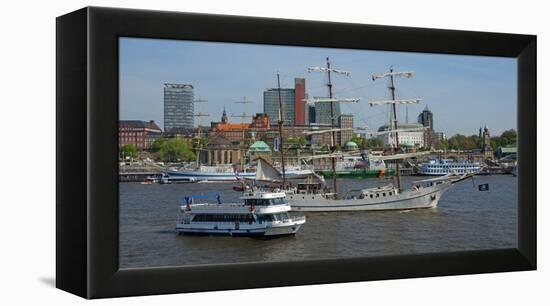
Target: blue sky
[(463, 92)]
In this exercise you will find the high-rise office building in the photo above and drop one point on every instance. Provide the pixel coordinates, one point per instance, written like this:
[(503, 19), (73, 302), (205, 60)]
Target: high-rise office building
[(271, 105), (345, 121), (426, 118), (323, 113), (178, 106), (310, 114), (300, 106)]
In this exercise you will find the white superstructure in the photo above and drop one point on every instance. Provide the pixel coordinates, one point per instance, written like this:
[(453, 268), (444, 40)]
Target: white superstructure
[(259, 214), (446, 166)]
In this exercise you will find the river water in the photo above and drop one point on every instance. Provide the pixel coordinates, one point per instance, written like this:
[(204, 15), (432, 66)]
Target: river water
[(465, 219)]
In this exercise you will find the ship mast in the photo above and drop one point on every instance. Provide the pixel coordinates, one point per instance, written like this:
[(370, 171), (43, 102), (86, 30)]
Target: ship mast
[(331, 100), (393, 102), (281, 122), (244, 115), (199, 114)]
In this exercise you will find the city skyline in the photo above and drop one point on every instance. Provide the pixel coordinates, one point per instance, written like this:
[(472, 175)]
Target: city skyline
[(477, 90)]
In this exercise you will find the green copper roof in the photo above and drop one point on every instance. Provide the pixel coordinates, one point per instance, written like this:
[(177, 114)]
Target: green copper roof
[(260, 146), (508, 149), (350, 144)]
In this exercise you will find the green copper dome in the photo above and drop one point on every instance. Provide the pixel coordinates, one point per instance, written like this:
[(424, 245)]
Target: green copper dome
[(259, 146), (350, 144)]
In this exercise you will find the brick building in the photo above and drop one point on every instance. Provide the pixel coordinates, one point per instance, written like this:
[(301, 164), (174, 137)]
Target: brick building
[(139, 133)]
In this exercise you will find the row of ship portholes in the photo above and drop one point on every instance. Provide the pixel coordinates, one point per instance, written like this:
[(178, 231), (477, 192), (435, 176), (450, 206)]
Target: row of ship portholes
[(303, 198), (378, 195), (371, 196)]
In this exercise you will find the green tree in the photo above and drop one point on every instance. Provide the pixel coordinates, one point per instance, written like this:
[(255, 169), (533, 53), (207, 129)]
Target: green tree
[(128, 150), (508, 137), (173, 150), (461, 142), (367, 143), (443, 144), (293, 142), (373, 142), (155, 146)]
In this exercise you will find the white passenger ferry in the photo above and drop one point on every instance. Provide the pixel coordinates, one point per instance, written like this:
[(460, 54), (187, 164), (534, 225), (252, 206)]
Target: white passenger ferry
[(447, 166), (260, 214)]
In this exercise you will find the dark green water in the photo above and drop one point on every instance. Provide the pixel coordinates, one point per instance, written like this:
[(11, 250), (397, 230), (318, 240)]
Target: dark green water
[(465, 219)]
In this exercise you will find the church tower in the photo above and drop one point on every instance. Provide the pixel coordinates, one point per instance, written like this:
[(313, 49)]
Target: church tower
[(486, 142), (224, 116)]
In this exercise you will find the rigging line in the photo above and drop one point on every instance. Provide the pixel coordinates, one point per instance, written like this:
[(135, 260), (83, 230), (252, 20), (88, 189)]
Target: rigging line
[(358, 88), (405, 93)]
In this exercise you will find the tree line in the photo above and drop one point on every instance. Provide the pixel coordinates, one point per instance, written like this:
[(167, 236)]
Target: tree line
[(166, 150), (462, 142)]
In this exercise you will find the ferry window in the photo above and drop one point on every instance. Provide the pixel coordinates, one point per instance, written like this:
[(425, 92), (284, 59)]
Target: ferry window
[(264, 218), (377, 195), (278, 201), (384, 194), (371, 196), (264, 202), (390, 192)]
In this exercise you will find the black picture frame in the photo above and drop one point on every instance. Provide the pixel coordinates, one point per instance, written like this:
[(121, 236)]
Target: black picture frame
[(87, 261)]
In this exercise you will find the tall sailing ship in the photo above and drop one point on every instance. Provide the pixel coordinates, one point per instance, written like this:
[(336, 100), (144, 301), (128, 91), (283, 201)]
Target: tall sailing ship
[(422, 193)]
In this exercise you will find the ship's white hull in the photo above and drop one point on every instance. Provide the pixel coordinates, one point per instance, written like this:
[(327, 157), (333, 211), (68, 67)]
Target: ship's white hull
[(208, 176), (242, 229), (427, 197)]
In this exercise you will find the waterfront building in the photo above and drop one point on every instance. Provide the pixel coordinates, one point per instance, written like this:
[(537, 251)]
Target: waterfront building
[(178, 106), (220, 150), (323, 113), (260, 122), (426, 118), (430, 140), (260, 149), (300, 106), (439, 136), (310, 114), (139, 133), (186, 133), (271, 104), (235, 132), (505, 151), (485, 137), (344, 121), (406, 139)]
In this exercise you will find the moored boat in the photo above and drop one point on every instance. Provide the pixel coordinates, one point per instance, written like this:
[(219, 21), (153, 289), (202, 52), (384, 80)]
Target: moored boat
[(223, 173), (446, 166), (210, 173)]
